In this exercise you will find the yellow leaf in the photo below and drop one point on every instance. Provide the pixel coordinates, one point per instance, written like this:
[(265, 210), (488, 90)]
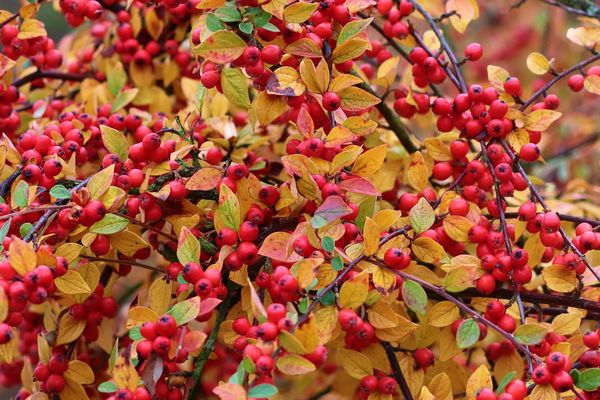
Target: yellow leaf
[(221, 47), (344, 81), (457, 227), (206, 178), (229, 208), (566, 324), (591, 84), (69, 329), (350, 49), (285, 81), (441, 387), (428, 250), (540, 120), (188, 247), (370, 161), (307, 334), (72, 283), (586, 36), (291, 343), (382, 316), (442, 314), (153, 23), (535, 249), (357, 99), (125, 375), (124, 98), (138, 315), (3, 304), (235, 87), (308, 73), (127, 242), (22, 256), (6, 64), (299, 12), (437, 149), (384, 279), (354, 291), (518, 138), (115, 142), (466, 10), (479, 379), (356, 364), (100, 182), (538, 63), (304, 48), (80, 372), (353, 28), (73, 391), (497, 76), (7, 350), (327, 318), (370, 236), (230, 391), (306, 270), (560, 278), (293, 364), (344, 158), (269, 107), (543, 392), (160, 295), (31, 28), (417, 174)]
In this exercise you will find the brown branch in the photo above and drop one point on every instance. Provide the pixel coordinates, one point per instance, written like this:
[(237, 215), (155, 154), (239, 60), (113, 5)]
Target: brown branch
[(126, 262), (557, 78), (396, 370), (148, 227), (9, 20), (51, 75), (574, 10), (565, 217)]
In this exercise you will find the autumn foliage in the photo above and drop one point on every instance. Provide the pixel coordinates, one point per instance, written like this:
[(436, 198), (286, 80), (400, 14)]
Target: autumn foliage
[(300, 199)]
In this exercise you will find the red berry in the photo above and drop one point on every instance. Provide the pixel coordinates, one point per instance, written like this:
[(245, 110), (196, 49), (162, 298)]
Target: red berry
[(473, 51), (331, 101)]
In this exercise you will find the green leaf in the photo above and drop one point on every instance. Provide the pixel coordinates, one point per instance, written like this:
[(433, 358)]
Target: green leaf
[(229, 208), (115, 142), (589, 380), (422, 216), (235, 87), (337, 263), (414, 297), (4, 231), (228, 14), (123, 99), (21, 194), (303, 305), (185, 311), (467, 334), (213, 23), (246, 27), (239, 376), (328, 299), (352, 29), (188, 247), (60, 192), (107, 387), (505, 381), (116, 79), (262, 18), (270, 27), (111, 223), (135, 333), (365, 209), (263, 390), (328, 244), (25, 228), (530, 334)]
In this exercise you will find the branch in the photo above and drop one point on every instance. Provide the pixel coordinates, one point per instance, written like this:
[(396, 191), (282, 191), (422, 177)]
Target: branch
[(565, 217), (583, 12), (51, 75), (7, 183), (557, 78), (126, 262), (584, 142), (9, 20), (396, 370)]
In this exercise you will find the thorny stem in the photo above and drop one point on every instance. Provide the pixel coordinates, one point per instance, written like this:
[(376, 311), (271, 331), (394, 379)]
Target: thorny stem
[(557, 78)]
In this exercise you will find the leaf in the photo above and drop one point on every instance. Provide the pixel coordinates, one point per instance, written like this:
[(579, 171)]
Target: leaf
[(479, 379), (359, 185), (442, 314), (354, 291), (230, 391), (299, 12), (125, 375), (467, 334), (188, 247), (592, 84), (497, 76), (560, 278), (80, 372), (505, 381), (100, 182), (235, 87), (530, 334), (457, 227), (138, 315), (31, 28), (60, 192), (293, 364), (228, 14), (352, 29), (21, 194), (589, 380), (127, 242), (414, 297), (4, 231), (123, 99), (111, 223), (357, 99), (422, 216), (428, 250), (466, 11), (6, 64), (269, 107), (285, 81), (349, 50), (246, 27), (538, 63), (206, 178), (186, 310), (264, 390), (328, 244), (160, 296), (331, 209), (356, 364), (370, 236), (544, 392), (115, 142), (417, 174), (107, 387), (368, 163), (304, 48), (229, 208), (69, 329), (566, 324), (540, 120), (116, 78), (221, 47), (72, 283), (22, 256)]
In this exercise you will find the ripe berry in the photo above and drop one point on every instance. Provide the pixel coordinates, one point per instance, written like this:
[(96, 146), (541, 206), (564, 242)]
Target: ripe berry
[(555, 361), (512, 86), (473, 51), (387, 385), (396, 258), (562, 381), (424, 357), (166, 325), (331, 101), (591, 339), (530, 152)]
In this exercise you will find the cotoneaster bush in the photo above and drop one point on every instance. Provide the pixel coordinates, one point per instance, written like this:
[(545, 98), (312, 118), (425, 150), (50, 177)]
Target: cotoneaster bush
[(300, 199)]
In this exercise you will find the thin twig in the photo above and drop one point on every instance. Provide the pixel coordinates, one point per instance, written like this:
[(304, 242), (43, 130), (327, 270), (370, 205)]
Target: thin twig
[(125, 262)]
